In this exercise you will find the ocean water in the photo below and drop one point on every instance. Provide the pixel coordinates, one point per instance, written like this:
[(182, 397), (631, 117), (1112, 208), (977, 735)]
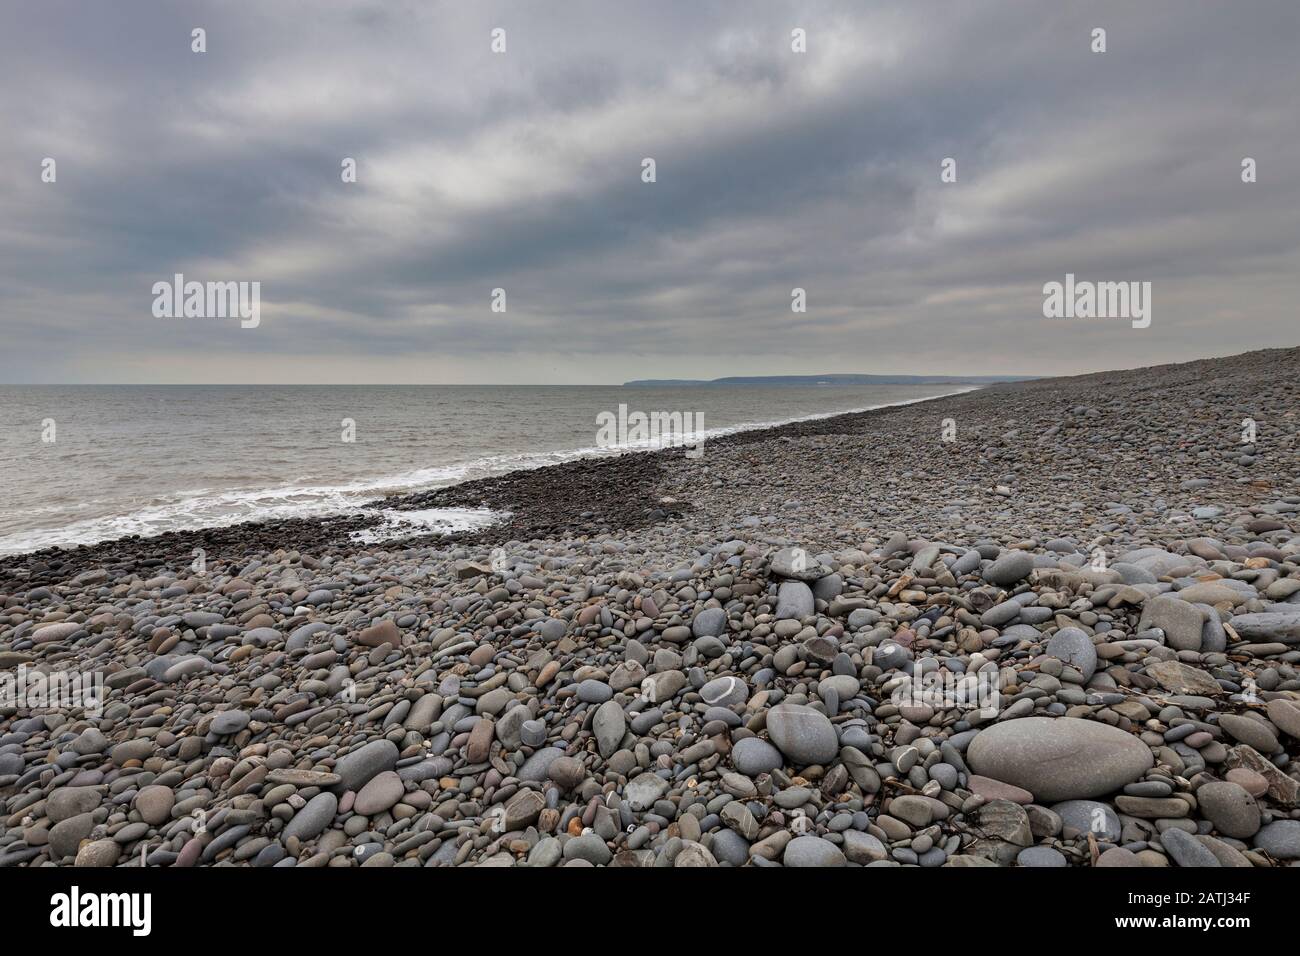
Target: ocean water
[(149, 459)]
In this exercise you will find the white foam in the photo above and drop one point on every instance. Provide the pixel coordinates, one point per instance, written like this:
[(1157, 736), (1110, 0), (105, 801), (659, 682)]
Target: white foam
[(401, 524)]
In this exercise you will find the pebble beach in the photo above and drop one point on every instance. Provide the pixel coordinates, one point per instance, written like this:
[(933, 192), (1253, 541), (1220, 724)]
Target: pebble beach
[(1052, 623)]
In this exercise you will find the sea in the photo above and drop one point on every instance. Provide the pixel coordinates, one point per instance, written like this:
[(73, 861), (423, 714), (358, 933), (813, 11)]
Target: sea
[(90, 463)]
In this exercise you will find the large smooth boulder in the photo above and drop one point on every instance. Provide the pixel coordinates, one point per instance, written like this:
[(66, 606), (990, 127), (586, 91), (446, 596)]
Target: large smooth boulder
[(1061, 758)]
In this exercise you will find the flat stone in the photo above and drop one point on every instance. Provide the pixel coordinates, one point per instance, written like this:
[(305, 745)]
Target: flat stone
[(99, 853), (1270, 625), (139, 749), (55, 632), (991, 789), (479, 745), (730, 847), (643, 790), (1211, 592), (1003, 831), (1152, 808), (797, 563), (726, 691), (535, 767), (694, 855), (1185, 850), (590, 849), (709, 622), (863, 848), (1281, 788), (302, 778), (1178, 678), (523, 809), (593, 691), (379, 634), (1118, 856), (1227, 855), (1180, 621), (915, 810), (66, 835), (567, 772)]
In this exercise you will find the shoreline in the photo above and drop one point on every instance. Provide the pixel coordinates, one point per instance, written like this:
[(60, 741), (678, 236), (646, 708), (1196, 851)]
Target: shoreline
[(347, 521)]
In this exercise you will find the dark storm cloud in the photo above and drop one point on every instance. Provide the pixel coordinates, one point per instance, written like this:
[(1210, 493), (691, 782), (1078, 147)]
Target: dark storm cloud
[(522, 171)]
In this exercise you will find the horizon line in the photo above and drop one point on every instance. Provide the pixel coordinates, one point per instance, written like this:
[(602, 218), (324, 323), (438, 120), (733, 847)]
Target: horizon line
[(956, 380)]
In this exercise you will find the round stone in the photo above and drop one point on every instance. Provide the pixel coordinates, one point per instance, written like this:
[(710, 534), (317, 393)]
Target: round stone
[(804, 735), (1089, 816), (1280, 839), (67, 802), (100, 853), (384, 790), (567, 772), (730, 847), (1059, 758), (710, 622), (812, 851), (724, 692), (1230, 808), (1253, 733), (532, 733), (1074, 647), (1040, 856), (154, 804), (594, 692), (589, 848), (753, 755)]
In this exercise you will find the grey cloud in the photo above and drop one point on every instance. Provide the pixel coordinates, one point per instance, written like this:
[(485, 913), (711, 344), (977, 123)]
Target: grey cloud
[(522, 171)]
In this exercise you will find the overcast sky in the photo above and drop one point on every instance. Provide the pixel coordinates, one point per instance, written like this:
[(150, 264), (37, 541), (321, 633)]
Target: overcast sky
[(523, 171)]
